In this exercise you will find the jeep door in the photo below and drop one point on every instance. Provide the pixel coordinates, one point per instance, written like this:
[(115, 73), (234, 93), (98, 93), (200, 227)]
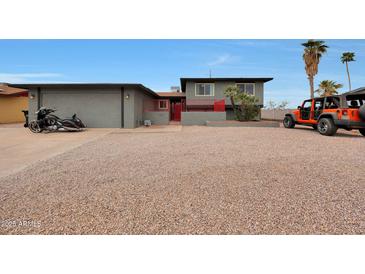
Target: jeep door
[(318, 107), (306, 110)]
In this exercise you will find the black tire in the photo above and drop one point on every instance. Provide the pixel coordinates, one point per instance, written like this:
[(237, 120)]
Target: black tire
[(362, 112), (34, 127), (362, 131), (327, 127), (315, 127), (288, 122)]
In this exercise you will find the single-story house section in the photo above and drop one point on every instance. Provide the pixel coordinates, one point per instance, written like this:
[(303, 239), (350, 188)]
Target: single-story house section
[(12, 102), (98, 105), (121, 105)]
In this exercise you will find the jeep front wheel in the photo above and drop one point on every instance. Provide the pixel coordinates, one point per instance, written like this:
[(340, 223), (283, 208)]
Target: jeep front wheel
[(288, 122), (327, 127), (362, 131)]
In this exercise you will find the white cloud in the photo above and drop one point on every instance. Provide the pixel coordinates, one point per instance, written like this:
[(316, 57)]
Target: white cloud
[(27, 77), (220, 60)]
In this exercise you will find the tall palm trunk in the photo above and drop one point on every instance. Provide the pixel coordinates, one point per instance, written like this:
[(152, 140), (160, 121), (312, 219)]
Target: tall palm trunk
[(311, 85), (348, 75)]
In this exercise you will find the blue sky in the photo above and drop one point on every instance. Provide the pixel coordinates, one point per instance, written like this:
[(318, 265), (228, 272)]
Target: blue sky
[(159, 64)]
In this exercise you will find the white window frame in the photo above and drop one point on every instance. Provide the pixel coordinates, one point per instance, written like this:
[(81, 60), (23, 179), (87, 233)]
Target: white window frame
[(212, 85), (254, 87), (159, 106)]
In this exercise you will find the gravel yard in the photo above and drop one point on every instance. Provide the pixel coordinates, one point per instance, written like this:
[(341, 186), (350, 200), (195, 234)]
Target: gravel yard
[(200, 180)]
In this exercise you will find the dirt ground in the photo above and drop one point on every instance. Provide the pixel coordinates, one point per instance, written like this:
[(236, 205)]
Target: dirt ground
[(20, 148), (196, 180)]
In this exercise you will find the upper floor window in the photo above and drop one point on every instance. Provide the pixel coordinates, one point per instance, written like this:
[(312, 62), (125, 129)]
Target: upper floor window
[(206, 89), (248, 88)]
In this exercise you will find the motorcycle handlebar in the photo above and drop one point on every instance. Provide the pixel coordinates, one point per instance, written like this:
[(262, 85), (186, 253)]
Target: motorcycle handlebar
[(47, 109)]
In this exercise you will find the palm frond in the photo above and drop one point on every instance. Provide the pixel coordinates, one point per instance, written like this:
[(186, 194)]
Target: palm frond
[(313, 51), (348, 57), (328, 87)]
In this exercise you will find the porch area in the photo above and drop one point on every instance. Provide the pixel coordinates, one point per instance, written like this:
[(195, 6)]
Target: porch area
[(176, 111), (200, 111)]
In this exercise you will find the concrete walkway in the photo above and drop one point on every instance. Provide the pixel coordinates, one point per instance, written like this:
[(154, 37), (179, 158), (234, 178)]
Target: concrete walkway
[(20, 148), (234, 123), (151, 129)]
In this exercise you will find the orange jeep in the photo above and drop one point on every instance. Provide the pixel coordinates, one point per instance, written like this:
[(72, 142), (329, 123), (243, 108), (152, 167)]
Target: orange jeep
[(327, 114)]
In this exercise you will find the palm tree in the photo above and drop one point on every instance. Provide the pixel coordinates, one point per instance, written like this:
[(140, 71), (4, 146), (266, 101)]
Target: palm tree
[(328, 88), (345, 59), (313, 51)]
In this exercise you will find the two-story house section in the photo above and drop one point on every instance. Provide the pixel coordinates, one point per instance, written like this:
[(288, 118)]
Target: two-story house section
[(202, 93)]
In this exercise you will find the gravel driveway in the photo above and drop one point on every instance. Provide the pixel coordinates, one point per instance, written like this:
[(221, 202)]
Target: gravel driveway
[(198, 181)]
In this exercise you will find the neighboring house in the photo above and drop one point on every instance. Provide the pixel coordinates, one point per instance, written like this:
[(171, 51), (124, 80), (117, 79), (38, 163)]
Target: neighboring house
[(121, 105), (12, 102)]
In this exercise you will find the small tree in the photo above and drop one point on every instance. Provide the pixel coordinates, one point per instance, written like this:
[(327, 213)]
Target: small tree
[(231, 92), (244, 105), (247, 106), (271, 105), (283, 105)]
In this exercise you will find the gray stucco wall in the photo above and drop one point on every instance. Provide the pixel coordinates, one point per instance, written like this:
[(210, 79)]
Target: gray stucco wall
[(139, 100), (219, 88), (275, 114), (157, 117), (96, 107), (230, 115), (201, 117), (128, 108), (32, 103)]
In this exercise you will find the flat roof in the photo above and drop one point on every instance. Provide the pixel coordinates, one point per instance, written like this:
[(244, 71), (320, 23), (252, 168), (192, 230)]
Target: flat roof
[(171, 94), (223, 79), (355, 91), (5, 90), (86, 85)]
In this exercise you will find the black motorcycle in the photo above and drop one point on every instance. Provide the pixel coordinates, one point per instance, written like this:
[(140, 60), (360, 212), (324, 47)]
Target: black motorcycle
[(50, 122)]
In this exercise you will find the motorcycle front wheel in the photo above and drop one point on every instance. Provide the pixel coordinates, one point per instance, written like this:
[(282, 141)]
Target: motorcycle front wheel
[(34, 127)]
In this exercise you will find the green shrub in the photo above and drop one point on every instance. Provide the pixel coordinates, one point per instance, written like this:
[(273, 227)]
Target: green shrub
[(244, 105), (247, 106)]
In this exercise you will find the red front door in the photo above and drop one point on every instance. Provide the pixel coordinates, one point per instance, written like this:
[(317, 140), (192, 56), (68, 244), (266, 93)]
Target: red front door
[(176, 112)]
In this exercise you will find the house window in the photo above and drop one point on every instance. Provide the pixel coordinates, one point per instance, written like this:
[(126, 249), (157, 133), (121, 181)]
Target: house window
[(248, 88), (162, 104), (206, 89)]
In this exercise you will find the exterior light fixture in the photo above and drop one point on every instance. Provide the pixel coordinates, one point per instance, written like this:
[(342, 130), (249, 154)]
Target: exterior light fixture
[(127, 96), (31, 96)]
